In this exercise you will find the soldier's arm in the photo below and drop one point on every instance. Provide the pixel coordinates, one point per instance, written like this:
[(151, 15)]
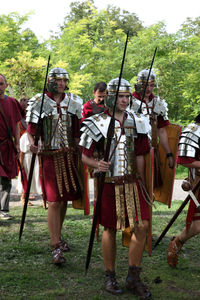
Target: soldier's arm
[(194, 164), (100, 165), (31, 139), (141, 167), (163, 138)]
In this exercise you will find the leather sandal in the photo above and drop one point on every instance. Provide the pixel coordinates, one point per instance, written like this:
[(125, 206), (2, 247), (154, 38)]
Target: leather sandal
[(63, 245), (173, 250), (58, 257)]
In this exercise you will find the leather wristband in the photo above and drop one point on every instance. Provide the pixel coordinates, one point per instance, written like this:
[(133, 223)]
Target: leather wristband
[(169, 155)]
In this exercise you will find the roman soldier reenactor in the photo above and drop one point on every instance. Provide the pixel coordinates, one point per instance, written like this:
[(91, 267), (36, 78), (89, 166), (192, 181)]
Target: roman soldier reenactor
[(95, 105), (59, 152), (125, 201), (189, 157), (164, 136)]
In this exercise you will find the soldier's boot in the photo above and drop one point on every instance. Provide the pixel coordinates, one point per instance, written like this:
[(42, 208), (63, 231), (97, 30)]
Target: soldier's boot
[(111, 284), (173, 250), (135, 285)]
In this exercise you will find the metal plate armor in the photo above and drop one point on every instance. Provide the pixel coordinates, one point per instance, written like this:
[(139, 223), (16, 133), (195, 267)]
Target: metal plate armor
[(56, 124), (122, 147), (156, 106), (189, 140)]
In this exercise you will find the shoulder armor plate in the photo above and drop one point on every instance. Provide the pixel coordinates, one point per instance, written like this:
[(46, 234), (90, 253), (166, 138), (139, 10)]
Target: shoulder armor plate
[(72, 105), (93, 129), (189, 140), (158, 105), (75, 105)]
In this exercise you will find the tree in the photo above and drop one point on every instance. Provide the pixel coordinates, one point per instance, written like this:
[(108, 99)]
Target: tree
[(91, 44), (190, 27), (13, 38), (21, 55), (123, 19), (79, 10), (25, 74), (176, 66), (188, 45)]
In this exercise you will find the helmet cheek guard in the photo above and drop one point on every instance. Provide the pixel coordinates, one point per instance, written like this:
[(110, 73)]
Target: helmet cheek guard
[(110, 100)]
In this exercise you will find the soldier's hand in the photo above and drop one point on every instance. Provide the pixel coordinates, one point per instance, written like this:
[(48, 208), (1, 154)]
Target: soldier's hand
[(171, 162), (34, 148), (103, 166)]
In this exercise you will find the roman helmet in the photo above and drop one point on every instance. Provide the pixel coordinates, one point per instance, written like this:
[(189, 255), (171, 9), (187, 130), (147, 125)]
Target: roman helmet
[(112, 90), (142, 78), (56, 73)]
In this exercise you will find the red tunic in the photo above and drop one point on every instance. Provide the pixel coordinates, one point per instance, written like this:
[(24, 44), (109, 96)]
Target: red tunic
[(49, 183), (90, 108), (108, 207), (193, 213), (160, 121), (12, 110)]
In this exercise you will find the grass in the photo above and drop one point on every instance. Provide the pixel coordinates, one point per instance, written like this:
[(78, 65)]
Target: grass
[(181, 172), (26, 271)]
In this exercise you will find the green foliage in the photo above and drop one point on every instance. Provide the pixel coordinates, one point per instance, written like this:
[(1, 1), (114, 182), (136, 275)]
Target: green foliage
[(21, 56), (25, 74), (10, 37), (86, 48), (92, 43), (13, 38), (191, 27), (79, 10), (123, 19)]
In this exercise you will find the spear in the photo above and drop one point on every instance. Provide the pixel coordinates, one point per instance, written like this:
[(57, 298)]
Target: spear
[(30, 176), (146, 84), (102, 175), (177, 213)]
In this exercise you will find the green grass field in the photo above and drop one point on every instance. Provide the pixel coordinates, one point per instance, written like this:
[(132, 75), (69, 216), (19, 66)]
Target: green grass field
[(26, 271)]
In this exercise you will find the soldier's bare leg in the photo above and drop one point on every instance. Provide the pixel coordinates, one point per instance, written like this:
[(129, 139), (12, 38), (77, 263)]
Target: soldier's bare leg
[(137, 244), (193, 230), (54, 221), (109, 248), (177, 242), (62, 243), (63, 209)]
